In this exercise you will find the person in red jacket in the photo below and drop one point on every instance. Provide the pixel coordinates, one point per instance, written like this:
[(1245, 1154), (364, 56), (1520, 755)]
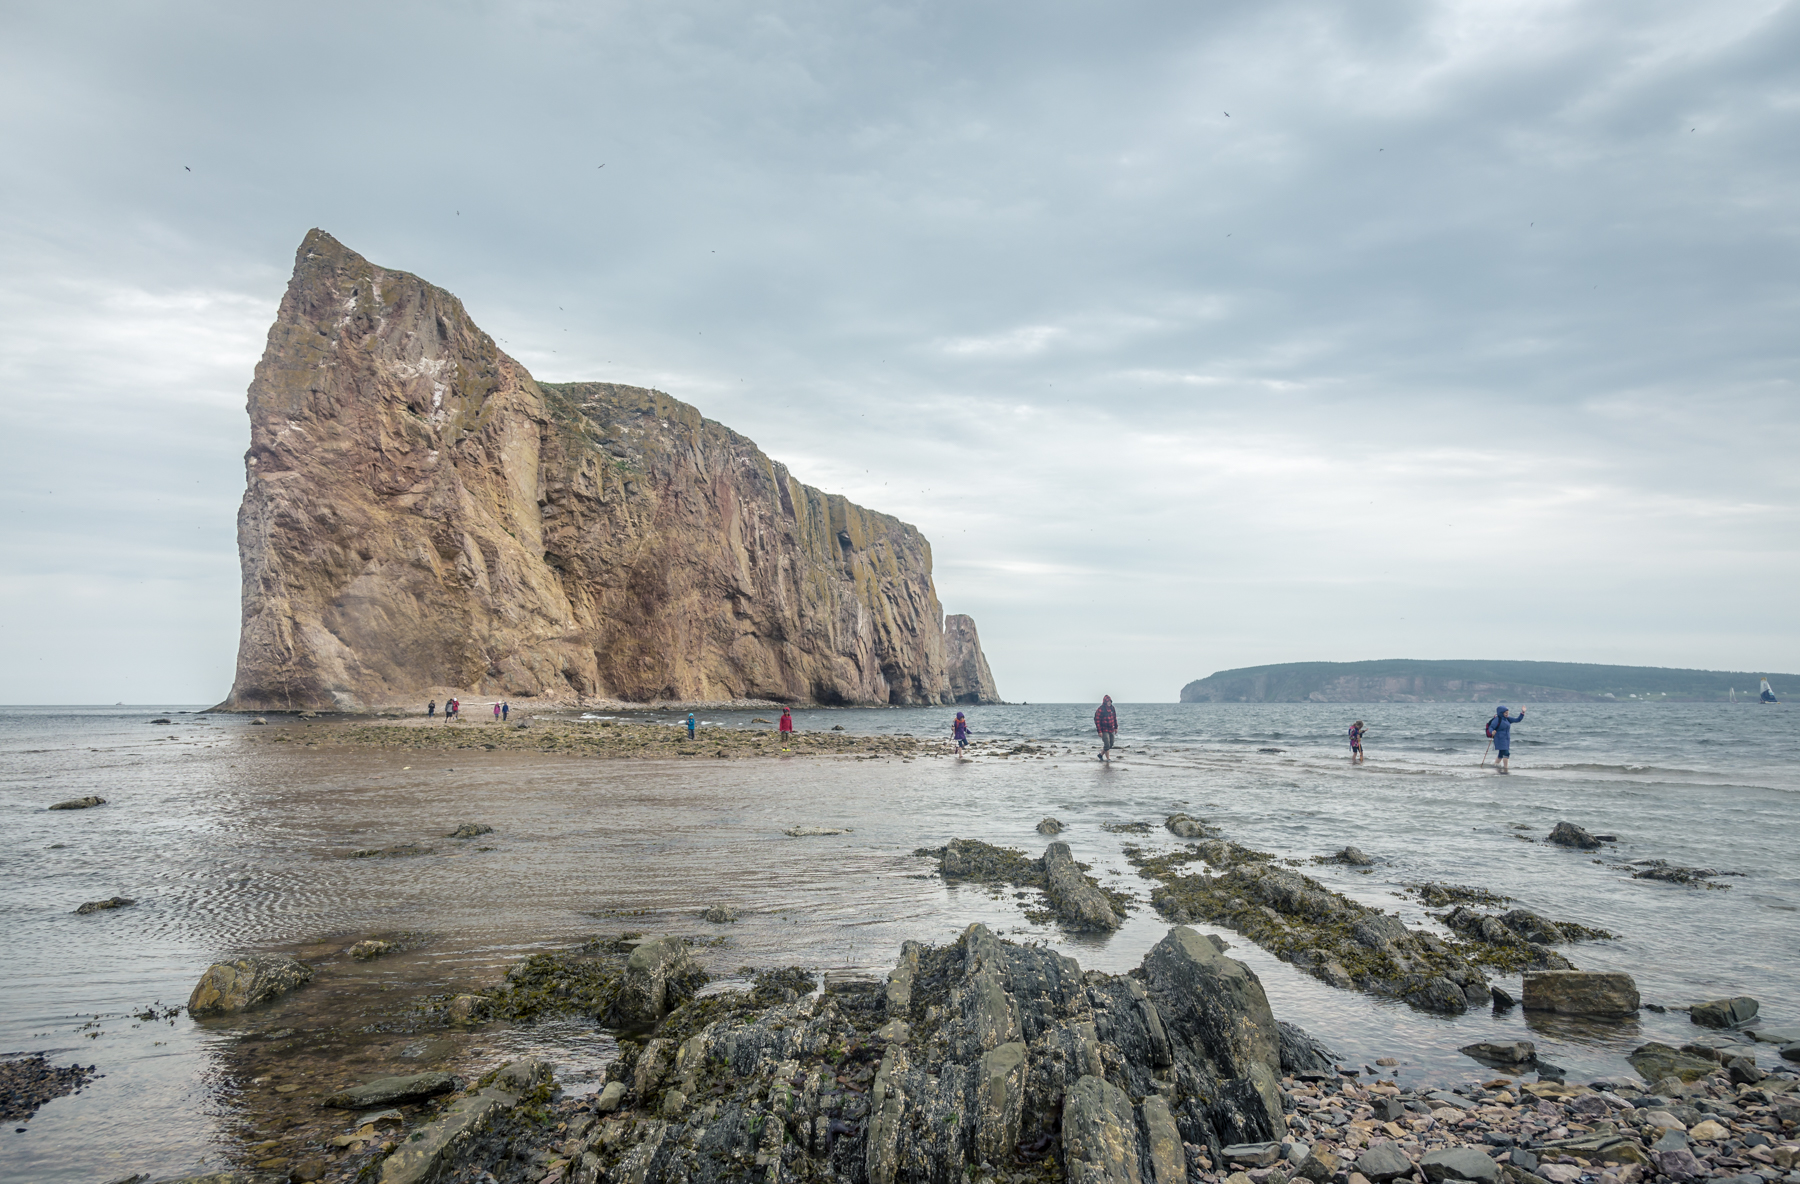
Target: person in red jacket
[(787, 723), (1106, 722)]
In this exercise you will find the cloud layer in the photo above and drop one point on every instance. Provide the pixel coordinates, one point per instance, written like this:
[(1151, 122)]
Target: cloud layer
[(1192, 336)]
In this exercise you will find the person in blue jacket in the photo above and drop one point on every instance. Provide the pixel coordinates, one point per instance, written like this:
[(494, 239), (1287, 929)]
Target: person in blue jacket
[(690, 725), (1500, 727)]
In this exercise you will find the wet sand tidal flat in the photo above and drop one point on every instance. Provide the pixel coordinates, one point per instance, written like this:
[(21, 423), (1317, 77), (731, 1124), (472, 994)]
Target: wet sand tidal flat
[(230, 840)]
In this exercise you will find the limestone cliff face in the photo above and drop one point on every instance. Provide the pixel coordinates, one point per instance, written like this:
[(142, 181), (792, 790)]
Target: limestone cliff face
[(422, 516), (970, 679)]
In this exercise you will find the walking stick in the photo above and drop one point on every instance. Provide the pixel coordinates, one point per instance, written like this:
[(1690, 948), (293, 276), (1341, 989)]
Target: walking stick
[(1484, 753)]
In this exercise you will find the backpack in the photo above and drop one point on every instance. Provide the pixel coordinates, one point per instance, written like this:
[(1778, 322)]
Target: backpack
[(1490, 729)]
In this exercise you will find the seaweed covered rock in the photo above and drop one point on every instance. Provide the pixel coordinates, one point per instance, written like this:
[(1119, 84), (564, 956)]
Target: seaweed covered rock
[(660, 976), (102, 906), (1004, 1055), (1519, 939), (1725, 1013), (244, 983), (1185, 826), (1656, 1061), (1075, 897), (1567, 834), (583, 979), (1299, 920), (1581, 992)]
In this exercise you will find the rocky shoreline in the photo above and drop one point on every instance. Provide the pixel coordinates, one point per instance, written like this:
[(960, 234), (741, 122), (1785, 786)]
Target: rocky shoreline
[(1341, 941), (988, 1062)]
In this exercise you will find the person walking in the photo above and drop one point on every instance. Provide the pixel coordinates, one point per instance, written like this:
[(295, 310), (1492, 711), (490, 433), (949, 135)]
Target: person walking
[(1106, 722), (431, 709), (1356, 737), (690, 724), (1500, 728), (787, 723), (959, 731), (450, 706), (496, 712), (505, 710)]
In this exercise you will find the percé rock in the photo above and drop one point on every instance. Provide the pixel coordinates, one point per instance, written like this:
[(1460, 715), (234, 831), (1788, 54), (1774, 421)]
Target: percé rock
[(421, 516), (246, 982), (1581, 992), (970, 679)]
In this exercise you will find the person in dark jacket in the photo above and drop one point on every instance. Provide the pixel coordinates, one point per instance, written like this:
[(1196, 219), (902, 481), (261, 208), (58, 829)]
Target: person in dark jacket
[(1356, 739), (431, 709), (1106, 722), (1502, 726)]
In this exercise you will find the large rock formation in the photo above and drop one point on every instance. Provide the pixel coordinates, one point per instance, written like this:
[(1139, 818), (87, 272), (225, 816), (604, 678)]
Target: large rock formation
[(970, 679), (423, 517)]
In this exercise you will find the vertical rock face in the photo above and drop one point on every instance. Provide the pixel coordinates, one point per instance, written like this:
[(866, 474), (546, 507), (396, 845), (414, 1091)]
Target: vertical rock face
[(970, 679), (421, 516)]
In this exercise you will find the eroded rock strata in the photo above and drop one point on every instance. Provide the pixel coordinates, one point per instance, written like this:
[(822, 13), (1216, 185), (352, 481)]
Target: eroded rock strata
[(980, 1058), (970, 679), (421, 516)]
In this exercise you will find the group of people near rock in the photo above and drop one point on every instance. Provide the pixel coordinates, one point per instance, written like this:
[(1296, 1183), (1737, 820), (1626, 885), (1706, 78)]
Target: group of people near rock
[(453, 710), (1499, 734), (1106, 722)]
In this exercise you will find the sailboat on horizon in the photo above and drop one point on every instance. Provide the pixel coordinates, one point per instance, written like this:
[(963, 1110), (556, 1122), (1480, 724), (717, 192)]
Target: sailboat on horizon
[(1767, 695)]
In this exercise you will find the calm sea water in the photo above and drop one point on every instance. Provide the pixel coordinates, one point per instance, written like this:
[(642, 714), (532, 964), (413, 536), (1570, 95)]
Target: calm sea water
[(230, 846)]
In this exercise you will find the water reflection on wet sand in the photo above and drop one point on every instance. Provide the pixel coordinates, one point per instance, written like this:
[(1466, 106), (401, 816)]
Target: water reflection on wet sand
[(246, 846)]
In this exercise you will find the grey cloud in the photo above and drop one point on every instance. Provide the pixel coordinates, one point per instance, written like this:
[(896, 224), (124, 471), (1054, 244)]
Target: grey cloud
[(1452, 321)]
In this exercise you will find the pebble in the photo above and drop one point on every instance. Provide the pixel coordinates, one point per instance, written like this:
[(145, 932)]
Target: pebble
[(1617, 1134)]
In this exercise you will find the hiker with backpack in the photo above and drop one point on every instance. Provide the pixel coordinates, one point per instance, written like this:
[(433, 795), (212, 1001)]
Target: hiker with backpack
[(1356, 739), (1499, 730)]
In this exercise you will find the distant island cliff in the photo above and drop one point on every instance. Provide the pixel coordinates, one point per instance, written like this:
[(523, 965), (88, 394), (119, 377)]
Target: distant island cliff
[(1401, 680), (422, 517)]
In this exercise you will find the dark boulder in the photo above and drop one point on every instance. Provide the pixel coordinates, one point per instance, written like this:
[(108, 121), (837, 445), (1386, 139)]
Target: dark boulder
[(391, 1091), (244, 983), (1725, 1013), (1076, 896), (1301, 1052), (659, 976), (1567, 834), (101, 906)]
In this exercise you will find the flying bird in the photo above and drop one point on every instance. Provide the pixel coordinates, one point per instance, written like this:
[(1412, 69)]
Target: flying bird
[(1228, 115), (189, 168)]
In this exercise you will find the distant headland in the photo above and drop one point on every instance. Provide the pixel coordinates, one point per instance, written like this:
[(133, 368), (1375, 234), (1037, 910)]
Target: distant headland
[(1404, 680)]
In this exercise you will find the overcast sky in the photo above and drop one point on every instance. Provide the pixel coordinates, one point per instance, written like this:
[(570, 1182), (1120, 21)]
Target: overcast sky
[(1192, 335)]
